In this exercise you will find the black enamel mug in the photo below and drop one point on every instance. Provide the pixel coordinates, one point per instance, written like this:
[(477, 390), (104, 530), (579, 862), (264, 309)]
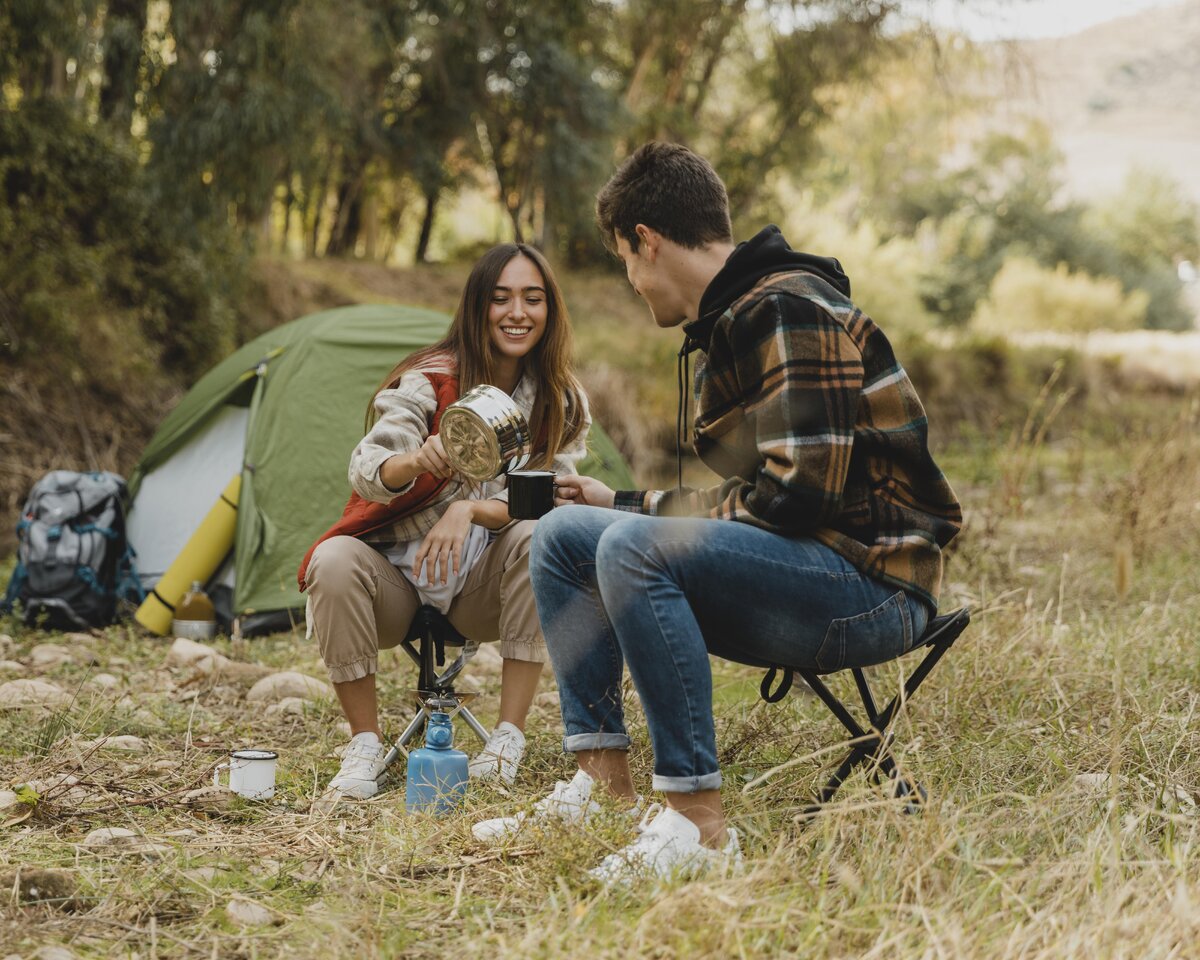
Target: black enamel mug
[(530, 494)]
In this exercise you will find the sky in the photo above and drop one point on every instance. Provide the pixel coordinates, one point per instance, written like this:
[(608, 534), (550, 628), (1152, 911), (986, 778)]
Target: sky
[(1011, 19)]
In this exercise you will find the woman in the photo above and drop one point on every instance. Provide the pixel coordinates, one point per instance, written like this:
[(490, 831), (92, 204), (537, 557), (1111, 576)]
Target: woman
[(415, 532)]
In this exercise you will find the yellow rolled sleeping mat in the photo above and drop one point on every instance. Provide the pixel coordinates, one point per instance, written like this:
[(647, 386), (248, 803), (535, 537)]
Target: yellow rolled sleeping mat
[(199, 559)]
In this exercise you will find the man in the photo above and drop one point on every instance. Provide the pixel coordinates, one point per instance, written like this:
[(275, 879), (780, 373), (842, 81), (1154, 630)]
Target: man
[(822, 547)]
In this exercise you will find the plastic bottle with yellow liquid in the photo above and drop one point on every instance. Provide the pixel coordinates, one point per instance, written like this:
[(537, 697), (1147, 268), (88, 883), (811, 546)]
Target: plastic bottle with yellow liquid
[(195, 617)]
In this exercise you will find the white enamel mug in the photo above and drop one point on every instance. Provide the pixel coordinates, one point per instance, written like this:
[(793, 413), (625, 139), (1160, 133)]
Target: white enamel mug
[(251, 773)]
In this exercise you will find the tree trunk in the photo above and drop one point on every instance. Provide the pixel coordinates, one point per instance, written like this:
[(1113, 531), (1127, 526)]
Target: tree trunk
[(344, 236), (370, 211), (422, 251), (315, 198), (124, 29)]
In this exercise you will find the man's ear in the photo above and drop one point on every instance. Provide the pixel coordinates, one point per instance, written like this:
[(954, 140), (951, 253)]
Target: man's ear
[(649, 240)]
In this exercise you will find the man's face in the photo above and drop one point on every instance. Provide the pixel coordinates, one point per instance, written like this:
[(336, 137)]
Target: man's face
[(650, 280)]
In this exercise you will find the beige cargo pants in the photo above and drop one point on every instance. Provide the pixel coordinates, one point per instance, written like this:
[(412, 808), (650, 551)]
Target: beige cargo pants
[(360, 604)]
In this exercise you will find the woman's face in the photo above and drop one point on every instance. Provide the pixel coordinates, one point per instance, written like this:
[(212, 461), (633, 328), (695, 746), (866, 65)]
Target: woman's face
[(518, 311)]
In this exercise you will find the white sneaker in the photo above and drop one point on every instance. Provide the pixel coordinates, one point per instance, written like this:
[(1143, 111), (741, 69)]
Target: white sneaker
[(362, 766), (569, 802), (669, 846), (501, 754)]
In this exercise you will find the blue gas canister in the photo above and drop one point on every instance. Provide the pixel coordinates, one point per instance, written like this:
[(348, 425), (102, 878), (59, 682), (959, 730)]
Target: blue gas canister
[(437, 773)]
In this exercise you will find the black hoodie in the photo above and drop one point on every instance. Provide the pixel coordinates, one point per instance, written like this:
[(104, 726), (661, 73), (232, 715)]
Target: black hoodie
[(765, 253)]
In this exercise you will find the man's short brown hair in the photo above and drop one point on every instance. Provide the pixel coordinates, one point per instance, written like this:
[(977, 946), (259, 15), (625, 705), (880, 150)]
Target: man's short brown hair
[(670, 189)]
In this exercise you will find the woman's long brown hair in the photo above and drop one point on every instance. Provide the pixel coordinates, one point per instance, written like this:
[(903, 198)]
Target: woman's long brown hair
[(467, 349)]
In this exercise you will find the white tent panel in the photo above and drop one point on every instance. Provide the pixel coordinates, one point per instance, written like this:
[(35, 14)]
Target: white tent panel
[(173, 499)]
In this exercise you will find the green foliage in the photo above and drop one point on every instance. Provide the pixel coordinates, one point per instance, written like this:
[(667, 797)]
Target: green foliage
[(1027, 297), (885, 275), (1148, 226), (98, 275)]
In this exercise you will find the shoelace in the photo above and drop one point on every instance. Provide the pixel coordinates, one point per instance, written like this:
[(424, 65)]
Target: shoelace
[(562, 794), (498, 740), (360, 757), (648, 817)]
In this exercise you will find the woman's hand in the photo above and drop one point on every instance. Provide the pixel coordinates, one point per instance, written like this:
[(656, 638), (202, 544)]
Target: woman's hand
[(441, 550), (570, 488), (431, 458), (399, 471)]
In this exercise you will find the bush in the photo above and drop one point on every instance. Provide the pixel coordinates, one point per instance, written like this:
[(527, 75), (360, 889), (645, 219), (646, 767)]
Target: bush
[(885, 275), (1025, 296), (102, 283)]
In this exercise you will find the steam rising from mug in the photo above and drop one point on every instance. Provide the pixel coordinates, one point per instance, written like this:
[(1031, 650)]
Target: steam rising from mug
[(485, 434)]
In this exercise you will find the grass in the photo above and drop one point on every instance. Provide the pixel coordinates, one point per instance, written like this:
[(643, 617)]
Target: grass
[(1058, 741)]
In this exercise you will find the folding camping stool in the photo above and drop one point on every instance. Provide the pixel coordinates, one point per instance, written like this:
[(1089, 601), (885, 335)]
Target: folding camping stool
[(426, 642), (872, 746)]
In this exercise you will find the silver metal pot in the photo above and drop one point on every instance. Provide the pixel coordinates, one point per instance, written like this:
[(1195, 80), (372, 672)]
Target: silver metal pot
[(485, 434)]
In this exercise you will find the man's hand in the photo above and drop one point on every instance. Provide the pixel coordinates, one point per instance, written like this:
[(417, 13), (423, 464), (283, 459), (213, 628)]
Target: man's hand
[(588, 491), (441, 550)]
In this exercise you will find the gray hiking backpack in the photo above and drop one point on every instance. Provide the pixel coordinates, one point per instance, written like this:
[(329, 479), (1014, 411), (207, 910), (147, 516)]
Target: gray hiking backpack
[(74, 565)]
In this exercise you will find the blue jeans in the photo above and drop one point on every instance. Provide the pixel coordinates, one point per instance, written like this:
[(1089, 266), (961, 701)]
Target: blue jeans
[(660, 594)]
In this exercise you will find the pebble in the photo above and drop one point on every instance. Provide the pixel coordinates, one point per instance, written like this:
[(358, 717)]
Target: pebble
[(288, 706), (32, 693), (125, 743), (46, 655), (247, 913), (11, 666), (105, 680), (289, 683), (121, 840)]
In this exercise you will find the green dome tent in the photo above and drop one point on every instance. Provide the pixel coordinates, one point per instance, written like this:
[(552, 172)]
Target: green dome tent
[(285, 411)]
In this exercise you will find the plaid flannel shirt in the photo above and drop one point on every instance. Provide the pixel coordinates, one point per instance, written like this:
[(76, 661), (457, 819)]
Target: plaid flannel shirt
[(803, 408)]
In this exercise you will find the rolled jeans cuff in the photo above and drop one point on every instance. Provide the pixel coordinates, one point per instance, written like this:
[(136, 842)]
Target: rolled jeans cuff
[(709, 781), (595, 741)]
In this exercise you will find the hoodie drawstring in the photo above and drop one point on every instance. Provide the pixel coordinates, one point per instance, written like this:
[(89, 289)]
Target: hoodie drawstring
[(684, 383)]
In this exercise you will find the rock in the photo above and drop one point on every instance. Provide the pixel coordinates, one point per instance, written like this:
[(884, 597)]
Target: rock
[(487, 659), (1092, 782), (469, 683), (210, 798), (202, 874), (47, 655), (7, 645), (124, 743), (547, 698), (289, 683), (32, 693), (184, 653), (54, 952), (53, 785), (288, 706), (8, 801), (247, 913), (121, 841), (11, 666), (105, 680), (205, 661), (110, 837)]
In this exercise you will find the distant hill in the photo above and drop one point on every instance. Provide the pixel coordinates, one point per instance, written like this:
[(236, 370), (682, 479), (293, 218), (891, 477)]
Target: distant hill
[(1122, 93)]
